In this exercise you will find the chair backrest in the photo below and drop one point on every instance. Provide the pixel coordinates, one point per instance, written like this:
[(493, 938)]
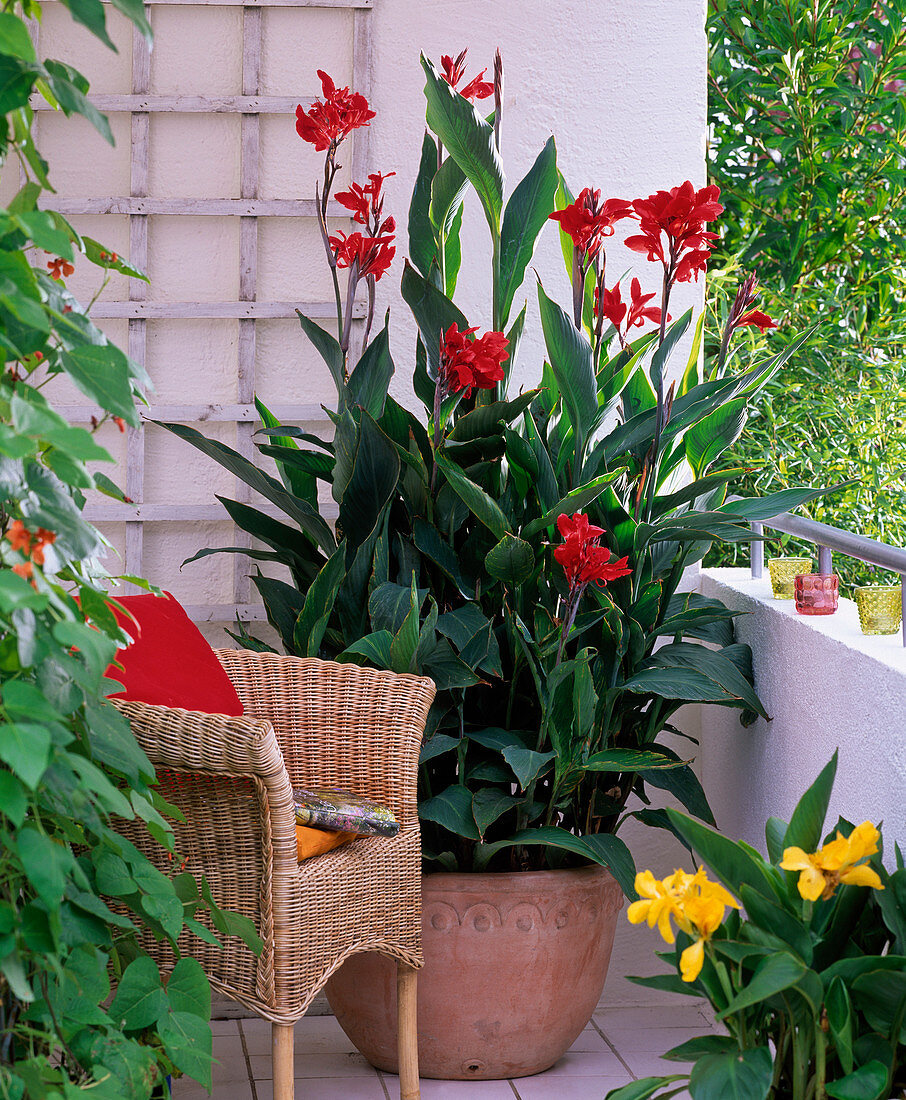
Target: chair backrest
[(339, 725)]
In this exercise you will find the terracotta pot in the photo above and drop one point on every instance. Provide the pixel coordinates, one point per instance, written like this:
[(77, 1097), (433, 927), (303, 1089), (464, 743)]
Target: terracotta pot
[(514, 967)]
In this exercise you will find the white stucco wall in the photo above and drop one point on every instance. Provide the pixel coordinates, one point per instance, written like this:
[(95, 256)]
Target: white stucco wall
[(825, 686)]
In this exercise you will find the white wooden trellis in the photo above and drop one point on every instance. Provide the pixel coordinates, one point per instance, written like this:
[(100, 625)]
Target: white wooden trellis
[(249, 208)]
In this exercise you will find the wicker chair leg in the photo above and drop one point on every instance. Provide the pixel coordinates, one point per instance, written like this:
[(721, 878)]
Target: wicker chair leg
[(282, 1044), (407, 1031)]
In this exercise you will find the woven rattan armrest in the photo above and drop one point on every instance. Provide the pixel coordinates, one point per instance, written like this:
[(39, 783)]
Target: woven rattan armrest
[(218, 745), (338, 725)]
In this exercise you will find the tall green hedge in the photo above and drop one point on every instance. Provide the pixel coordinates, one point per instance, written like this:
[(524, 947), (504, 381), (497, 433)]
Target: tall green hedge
[(807, 124)]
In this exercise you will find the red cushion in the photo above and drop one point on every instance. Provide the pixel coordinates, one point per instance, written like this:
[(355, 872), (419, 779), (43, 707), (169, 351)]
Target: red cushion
[(169, 663)]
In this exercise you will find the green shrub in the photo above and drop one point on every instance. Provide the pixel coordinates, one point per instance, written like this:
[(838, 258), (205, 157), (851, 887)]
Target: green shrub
[(807, 126)]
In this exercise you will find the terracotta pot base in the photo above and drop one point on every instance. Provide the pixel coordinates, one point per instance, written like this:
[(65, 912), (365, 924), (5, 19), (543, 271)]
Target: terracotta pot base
[(514, 967)]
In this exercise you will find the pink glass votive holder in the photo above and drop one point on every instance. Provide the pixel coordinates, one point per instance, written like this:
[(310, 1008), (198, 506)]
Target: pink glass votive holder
[(817, 593)]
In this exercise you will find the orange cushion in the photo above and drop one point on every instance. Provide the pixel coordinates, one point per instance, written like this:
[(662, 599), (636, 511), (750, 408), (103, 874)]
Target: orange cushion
[(169, 663), (315, 842)]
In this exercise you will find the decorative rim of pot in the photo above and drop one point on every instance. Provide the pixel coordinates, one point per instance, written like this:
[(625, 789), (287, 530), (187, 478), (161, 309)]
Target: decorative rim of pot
[(460, 879)]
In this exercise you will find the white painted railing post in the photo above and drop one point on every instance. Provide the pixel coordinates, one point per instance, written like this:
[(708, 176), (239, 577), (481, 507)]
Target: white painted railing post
[(756, 551)]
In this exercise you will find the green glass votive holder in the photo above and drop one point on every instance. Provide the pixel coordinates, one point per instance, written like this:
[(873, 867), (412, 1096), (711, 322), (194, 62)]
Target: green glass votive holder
[(880, 607), (783, 575)]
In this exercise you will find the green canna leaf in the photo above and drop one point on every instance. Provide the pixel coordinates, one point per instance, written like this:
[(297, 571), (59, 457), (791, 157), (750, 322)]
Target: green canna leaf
[(308, 632), (469, 139), (526, 213)]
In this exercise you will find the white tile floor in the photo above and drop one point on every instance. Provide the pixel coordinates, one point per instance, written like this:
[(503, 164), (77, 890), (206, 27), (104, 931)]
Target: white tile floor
[(618, 1046)]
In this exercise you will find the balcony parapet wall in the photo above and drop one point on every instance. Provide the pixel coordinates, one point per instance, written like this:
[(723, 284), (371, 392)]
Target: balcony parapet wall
[(826, 686)]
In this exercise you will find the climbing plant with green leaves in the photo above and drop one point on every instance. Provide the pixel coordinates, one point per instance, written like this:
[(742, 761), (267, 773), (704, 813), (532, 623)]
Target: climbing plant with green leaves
[(74, 894)]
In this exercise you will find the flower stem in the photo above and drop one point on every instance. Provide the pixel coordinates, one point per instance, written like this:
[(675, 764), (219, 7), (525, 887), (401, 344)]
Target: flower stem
[(572, 608), (321, 207), (659, 412), (820, 1061), (350, 301), (99, 291), (498, 97), (578, 281), (498, 319), (330, 173), (435, 435), (339, 303), (599, 320), (724, 346), (371, 284)]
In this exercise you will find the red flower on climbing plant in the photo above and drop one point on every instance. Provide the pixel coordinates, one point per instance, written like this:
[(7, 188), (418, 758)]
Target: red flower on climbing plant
[(372, 255), (677, 219), (326, 124), (588, 221), (467, 363), (454, 69), (60, 268), (30, 545), (19, 536), (582, 556)]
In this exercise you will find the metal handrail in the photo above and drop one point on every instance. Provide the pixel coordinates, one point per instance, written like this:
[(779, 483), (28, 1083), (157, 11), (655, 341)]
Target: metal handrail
[(829, 540)]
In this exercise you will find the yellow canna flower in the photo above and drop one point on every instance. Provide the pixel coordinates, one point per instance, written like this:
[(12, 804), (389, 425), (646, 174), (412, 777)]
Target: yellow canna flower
[(704, 913), (696, 904), (692, 960), (837, 861), (660, 901)]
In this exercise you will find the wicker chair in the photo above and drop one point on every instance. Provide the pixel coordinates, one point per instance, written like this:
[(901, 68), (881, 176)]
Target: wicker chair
[(306, 723)]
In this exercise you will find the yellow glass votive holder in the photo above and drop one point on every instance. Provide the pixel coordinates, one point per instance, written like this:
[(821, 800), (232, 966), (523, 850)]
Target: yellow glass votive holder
[(783, 575), (880, 607)]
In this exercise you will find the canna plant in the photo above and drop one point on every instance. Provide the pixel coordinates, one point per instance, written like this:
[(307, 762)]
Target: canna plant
[(559, 664), (809, 983)]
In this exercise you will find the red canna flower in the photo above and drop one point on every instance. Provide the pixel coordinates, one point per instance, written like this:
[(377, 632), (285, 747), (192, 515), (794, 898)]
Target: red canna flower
[(742, 314), (357, 201), (680, 216), (467, 363), (453, 70), (588, 220), (367, 200), (60, 268), (120, 423), (478, 88), (24, 569), (757, 318), (372, 255), (610, 303), (326, 124), (583, 558)]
